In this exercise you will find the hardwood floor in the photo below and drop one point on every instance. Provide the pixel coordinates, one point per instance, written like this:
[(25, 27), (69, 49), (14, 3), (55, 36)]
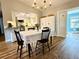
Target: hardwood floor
[(62, 48), (8, 51), (70, 47), (2, 38)]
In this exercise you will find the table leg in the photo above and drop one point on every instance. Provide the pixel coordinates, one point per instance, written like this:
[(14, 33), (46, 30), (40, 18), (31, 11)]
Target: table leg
[(29, 49), (51, 41)]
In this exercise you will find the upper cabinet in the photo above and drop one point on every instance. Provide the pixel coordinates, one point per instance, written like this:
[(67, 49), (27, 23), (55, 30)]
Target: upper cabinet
[(48, 22), (20, 18)]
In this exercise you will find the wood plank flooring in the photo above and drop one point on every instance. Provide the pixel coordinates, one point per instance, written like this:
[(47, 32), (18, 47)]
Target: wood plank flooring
[(62, 48), (8, 51), (2, 38)]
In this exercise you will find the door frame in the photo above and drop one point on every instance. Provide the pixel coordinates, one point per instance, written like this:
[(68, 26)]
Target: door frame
[(58, 23)]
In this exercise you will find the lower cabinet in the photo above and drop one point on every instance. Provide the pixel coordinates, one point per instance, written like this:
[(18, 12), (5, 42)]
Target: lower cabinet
[(10, 35)]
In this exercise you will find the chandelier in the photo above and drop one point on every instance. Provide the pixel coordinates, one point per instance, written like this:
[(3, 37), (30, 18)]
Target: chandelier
[(41, 4)]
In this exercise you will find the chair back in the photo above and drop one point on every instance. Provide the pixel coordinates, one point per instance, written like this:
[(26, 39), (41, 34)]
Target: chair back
[(18, 37), (45, 34)]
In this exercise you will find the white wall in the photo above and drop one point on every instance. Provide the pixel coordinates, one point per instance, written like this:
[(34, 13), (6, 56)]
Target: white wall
[(13, 5)]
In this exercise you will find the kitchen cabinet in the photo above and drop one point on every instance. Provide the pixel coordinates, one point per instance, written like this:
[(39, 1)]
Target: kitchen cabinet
[(9, 35), (48, 22)]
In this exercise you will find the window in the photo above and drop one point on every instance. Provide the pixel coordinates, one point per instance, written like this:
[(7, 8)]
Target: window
[(73, 20)]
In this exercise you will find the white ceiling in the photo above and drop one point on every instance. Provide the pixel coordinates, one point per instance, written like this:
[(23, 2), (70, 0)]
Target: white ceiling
[(54, 2)]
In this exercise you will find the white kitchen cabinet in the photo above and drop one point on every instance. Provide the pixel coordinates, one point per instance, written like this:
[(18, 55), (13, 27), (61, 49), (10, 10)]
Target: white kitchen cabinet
[(9, 35), (49, 22)]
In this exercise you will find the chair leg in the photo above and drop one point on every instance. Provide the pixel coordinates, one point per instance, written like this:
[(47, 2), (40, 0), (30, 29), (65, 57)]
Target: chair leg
[(29, 50), (36, 45), (36, 48), (17, 48), (21, 51), (48, 46), (51, 41), (43, 48)]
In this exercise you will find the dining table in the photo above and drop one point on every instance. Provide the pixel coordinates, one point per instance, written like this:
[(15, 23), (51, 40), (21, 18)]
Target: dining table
[(30, 38)]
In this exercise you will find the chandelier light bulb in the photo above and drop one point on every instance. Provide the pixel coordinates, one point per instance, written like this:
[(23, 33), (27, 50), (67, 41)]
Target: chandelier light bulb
[(50, 4), (34, 0), (33, 5), (37, 7), (45, 6)]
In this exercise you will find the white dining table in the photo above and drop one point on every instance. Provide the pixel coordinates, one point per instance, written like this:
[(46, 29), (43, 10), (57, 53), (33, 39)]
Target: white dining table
[(31, 36)]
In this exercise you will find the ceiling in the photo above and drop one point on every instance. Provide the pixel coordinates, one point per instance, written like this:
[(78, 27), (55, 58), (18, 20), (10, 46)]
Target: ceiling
[(54, 2)]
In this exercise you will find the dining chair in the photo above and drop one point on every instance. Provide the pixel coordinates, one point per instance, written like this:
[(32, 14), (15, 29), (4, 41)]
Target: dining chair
[(44, 40), (20, 42)]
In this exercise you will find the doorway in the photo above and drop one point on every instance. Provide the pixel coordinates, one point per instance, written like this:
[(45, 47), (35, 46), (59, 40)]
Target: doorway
[(73, 20), (61, 23)]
